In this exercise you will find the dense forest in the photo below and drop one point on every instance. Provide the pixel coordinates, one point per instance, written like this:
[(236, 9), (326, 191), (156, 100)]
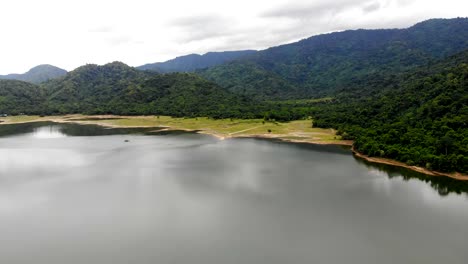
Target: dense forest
[(420, 118), (193, 62), (17, 97)]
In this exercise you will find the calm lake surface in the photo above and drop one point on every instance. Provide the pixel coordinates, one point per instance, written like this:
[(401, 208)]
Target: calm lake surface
[(81, 194)]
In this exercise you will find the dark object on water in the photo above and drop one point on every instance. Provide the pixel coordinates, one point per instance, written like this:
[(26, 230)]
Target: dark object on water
[(126, 140)]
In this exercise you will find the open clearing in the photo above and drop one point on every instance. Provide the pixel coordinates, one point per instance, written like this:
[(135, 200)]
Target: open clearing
[(295, 131)]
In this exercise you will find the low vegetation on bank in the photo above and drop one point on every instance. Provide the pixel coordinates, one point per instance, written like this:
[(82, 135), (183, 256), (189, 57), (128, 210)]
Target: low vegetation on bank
[(295, 131)]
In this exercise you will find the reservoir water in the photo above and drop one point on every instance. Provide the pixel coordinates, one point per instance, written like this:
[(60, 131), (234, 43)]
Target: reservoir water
[(84, 194)]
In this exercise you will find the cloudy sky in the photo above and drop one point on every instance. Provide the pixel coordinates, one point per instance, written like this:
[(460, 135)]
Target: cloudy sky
[(71, 33)]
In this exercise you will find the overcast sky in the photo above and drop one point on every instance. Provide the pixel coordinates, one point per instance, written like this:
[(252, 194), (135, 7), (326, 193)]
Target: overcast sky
[(71, 33)]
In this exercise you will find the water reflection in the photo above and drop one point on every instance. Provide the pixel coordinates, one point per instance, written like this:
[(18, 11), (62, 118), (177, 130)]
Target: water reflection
[(48, 132), (68, 157), (443, 185), (188, 198), (54, 130)]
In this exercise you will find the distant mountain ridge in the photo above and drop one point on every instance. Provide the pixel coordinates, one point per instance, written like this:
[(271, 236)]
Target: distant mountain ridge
[(192, 62), (323, 64), (38, 74)]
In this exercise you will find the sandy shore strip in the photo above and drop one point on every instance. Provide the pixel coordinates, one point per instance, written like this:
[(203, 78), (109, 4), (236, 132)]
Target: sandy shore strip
[(455, 175)]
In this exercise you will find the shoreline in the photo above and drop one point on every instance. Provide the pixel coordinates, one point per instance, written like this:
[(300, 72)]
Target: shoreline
[(454, 175), (282, 138)]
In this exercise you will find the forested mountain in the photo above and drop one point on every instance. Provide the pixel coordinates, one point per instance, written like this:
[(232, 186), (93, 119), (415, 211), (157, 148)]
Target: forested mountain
[(322, 64), (419, 117), (18, 97), (90, 86), (116, 88), (37, 74), (192, 62)]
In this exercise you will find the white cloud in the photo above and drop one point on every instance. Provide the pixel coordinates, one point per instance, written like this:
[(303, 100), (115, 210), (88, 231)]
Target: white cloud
[(71, 33)]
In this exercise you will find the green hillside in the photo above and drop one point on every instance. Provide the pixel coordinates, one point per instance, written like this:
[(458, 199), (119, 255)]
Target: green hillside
[(116, 88), (320, 65), (18, 97), (193, 62), (419, 117)]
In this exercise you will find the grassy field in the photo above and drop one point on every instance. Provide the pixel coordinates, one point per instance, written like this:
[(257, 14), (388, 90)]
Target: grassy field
[(300, 131), (20, 119)]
